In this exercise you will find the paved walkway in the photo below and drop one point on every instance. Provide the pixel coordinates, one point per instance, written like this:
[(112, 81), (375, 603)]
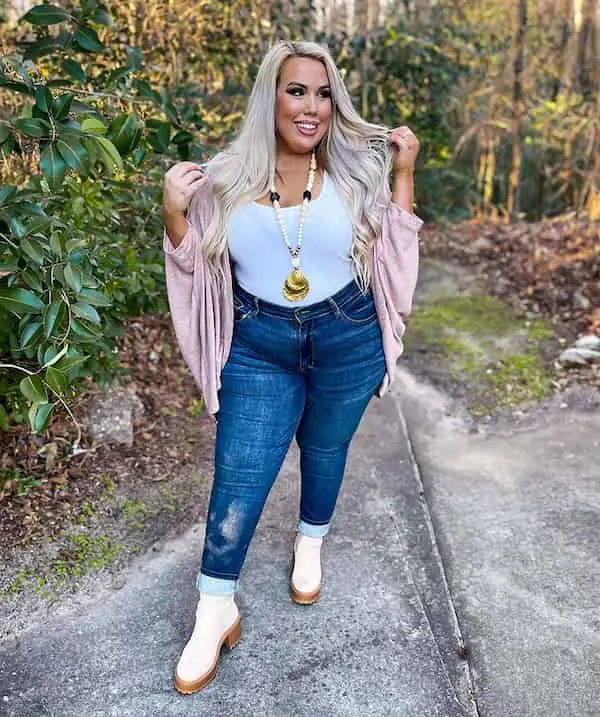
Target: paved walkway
[(438, 532), (382, 640), (517, 517)]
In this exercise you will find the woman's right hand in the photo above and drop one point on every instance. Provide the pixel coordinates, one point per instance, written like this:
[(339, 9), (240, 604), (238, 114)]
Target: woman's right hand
[(181, 181)]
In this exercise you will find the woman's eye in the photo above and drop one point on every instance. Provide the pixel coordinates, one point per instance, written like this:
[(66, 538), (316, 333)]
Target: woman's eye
[(298, 91)]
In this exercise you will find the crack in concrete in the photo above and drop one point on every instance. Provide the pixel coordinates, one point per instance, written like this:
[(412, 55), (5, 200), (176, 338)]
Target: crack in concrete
[(461, 647)]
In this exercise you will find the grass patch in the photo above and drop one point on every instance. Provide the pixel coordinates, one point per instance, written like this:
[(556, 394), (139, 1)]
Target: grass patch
[(81, 554), (486, 344), (134, 512)]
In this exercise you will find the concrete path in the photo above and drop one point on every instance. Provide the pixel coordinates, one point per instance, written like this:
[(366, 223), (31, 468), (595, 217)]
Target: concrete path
[(517, 515), (383, 639)]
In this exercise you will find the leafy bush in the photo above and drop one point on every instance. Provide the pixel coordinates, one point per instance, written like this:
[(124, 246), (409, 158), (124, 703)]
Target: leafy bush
[(79, 244)]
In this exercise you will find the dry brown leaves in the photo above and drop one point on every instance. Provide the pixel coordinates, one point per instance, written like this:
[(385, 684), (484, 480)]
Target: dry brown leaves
[(550, 268), (59, 485)]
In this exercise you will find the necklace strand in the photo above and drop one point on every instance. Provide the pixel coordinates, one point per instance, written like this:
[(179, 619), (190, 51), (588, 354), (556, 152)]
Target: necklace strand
[(296, 285)]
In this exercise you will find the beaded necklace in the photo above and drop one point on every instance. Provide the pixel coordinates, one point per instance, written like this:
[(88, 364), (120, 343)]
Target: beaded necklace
[(296, 285)]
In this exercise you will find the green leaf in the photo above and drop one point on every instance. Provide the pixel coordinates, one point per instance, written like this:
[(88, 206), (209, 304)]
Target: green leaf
[(87, 38), (46, 15), (33, 127), (56, 355), (74, 69), (57, 380), (171, 112), (42, 47), (20, 301), (73, 152), (8, 147), (29, 333), (33, 249), (125, 133), (9, 265), (33, 389), (102, 17), (147, 92), (117, 74), (51, 314), (53, 166), (55, 245), (66, 364), (43, 99), (85, 311), (16, 86), (91, 125), (31, 208), (17, 227), (183, 137), (109, 155), (62, 105), (7, 192), (94, 297), (84, 331), (32, 280), (73, 277), (39, 416)]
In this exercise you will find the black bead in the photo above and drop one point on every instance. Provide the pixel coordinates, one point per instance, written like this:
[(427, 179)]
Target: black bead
[(307, 194), (275, 196)]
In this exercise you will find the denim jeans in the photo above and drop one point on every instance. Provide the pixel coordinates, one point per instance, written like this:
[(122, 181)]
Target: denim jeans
[(307, 373)]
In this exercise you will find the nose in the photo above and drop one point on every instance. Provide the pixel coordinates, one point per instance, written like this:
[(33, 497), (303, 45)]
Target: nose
[(311, 104)]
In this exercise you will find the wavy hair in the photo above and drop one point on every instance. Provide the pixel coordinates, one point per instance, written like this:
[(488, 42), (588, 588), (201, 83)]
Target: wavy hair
[(353, 152)]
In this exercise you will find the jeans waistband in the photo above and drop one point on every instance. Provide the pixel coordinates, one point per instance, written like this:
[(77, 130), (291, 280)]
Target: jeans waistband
[(311, 311)]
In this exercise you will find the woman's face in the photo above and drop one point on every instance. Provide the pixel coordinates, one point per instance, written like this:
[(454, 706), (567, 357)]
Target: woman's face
[(303, 107)]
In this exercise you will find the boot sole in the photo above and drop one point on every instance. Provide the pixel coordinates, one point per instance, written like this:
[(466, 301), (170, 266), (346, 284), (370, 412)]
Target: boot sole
[(297, 596), (230, 639)]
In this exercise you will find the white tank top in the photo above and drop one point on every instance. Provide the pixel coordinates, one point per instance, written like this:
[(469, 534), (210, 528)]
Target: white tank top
[(261, 260)]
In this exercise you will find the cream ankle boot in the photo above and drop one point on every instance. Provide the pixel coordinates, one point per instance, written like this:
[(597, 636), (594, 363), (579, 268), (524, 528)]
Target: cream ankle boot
[(217, 622), (305, 569)]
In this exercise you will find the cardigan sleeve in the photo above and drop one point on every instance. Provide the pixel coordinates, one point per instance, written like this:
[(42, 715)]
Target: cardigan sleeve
[(184, 271), (398, 257), (182, 254)]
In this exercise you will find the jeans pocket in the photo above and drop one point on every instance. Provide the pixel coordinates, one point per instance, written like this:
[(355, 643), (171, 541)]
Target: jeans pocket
[(359, 310)]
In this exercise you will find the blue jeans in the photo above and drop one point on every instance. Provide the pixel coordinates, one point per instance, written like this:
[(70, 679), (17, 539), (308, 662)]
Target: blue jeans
[(307, 373)]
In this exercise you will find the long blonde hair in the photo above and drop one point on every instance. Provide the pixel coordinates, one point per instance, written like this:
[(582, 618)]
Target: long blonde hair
[(353, 152)]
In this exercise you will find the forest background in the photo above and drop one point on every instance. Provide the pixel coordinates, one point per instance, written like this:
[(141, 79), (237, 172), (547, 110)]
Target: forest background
[(98, 100)]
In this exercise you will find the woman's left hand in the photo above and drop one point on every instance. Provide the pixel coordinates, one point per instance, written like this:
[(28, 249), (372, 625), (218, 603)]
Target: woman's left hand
[(406, 147)]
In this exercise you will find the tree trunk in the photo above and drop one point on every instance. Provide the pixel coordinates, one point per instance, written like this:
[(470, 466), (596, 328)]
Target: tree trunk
[(593, 200), (570, 71), (517, 113)]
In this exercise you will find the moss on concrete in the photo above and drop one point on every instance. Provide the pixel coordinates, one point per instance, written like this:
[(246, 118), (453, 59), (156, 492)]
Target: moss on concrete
[(485, 344), (79, 554)]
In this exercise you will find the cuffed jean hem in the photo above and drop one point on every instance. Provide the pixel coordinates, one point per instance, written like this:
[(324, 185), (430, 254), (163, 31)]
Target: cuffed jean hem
[(313, 531), (215, 586)]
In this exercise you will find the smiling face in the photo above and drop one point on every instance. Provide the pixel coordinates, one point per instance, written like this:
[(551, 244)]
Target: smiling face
[(303, 107)]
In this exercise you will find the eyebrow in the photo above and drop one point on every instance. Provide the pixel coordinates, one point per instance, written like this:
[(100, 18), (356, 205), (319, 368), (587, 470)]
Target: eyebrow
[(322, 87)]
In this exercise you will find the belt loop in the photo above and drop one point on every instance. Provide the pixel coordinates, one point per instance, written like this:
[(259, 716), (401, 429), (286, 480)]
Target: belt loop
[(334, 306)]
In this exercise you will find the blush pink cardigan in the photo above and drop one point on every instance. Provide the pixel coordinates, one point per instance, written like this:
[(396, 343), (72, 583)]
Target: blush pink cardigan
[(201, 297)]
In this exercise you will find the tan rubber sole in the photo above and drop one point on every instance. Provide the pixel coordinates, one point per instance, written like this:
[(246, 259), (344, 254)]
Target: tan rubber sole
[(230, 639), (298, 597)]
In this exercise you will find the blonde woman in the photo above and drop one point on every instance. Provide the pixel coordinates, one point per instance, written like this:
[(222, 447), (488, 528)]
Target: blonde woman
[(291, 264)]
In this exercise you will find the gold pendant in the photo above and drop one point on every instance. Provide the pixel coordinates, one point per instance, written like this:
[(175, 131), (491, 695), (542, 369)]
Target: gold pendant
[(296, 286)]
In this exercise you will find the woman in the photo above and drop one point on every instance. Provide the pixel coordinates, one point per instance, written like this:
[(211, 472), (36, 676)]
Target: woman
[(288, 282)]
